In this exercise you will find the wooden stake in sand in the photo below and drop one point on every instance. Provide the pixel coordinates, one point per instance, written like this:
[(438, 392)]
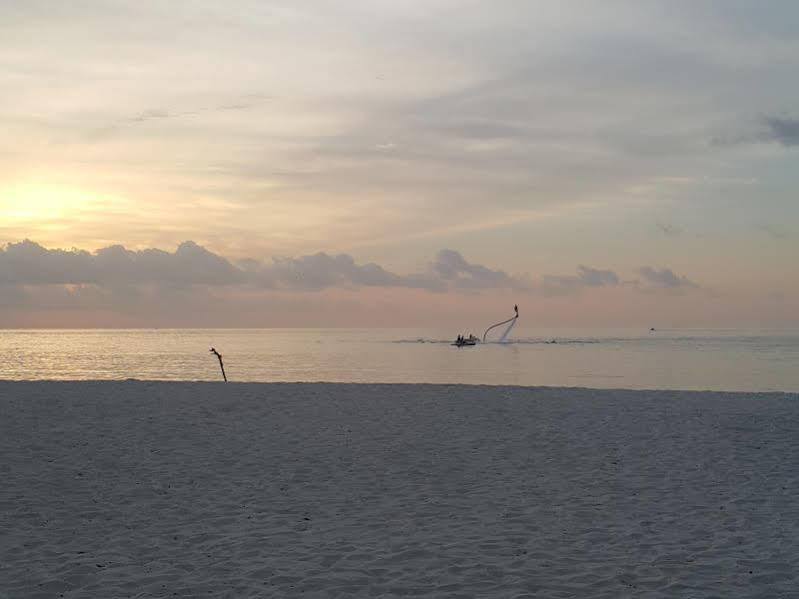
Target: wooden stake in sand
[(222, 366)]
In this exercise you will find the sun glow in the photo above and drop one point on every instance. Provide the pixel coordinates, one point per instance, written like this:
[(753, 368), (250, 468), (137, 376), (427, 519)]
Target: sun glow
[(43, 204)]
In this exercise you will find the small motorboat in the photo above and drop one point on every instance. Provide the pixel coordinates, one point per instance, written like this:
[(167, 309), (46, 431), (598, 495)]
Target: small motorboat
[(466, 341)]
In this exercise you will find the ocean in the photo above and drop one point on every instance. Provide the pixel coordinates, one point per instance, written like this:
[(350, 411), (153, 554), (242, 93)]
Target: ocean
[(721, 360)]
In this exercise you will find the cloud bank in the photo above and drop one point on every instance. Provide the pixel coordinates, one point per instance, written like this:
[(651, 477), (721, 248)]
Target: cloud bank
[(195, 287), (29, 264)]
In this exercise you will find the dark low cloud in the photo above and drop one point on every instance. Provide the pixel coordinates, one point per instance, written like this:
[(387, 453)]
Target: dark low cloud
[(664, 278), (585, 277), (651, 280), (594, 277), (115, 271), (450, 267), (784, 130), (28, 263), (319, 271), (772, 129)]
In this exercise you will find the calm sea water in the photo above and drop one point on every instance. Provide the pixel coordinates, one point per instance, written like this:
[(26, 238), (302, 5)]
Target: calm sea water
[(664, 359)]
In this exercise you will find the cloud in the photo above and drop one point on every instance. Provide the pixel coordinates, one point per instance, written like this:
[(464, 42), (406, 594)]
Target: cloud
[(783, 130), (449, 266), (28, 263), (593, 277), (777, 129), (586, 277), (319, 271), (467, 105), (192, 286), (664, 278)]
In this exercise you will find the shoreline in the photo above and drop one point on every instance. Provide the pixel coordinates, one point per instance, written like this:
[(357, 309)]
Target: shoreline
[(356, 384)]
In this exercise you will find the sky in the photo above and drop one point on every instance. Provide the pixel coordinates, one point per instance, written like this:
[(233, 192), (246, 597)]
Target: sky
[(320, 163)]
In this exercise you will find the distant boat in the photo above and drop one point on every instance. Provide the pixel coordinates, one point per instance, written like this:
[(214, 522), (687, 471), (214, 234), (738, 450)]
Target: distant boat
[(471, 340), (466, 341), (651, 328)]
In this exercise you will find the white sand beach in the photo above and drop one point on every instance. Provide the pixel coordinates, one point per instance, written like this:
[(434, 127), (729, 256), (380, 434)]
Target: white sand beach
[(153, 489)]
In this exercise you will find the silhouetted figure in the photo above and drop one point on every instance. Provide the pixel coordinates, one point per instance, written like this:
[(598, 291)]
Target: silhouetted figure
[(516, 309), (222, 366)]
